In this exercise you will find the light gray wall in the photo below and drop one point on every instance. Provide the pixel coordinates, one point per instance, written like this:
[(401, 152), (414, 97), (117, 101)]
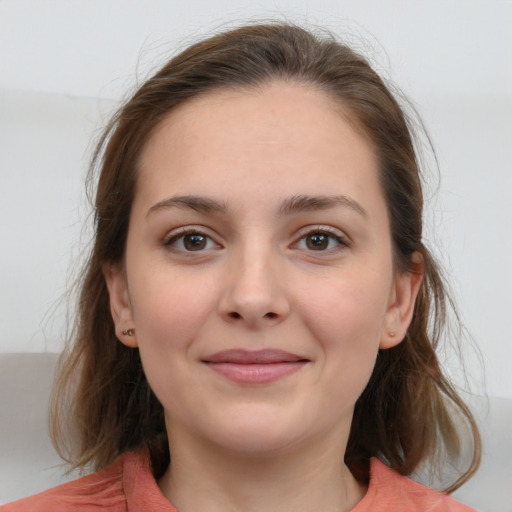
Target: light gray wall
[(64, 65)]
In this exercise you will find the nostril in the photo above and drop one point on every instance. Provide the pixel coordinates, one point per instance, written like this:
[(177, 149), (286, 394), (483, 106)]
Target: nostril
[(234, 314), (270, 314)]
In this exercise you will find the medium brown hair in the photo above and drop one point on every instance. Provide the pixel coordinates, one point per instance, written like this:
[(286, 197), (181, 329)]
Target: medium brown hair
[(101, 394)]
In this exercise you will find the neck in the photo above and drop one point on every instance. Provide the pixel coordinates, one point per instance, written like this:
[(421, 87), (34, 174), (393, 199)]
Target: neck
[(302, 478)]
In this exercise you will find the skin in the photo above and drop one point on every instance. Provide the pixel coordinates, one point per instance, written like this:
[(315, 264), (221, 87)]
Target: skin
[(258, 281)]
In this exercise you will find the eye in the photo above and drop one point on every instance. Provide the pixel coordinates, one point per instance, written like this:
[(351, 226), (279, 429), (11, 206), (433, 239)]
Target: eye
[(322, 240), (190, 241)]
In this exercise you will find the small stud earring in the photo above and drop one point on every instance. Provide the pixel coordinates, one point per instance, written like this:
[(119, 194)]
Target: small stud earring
[(129, 332), (391, 334)]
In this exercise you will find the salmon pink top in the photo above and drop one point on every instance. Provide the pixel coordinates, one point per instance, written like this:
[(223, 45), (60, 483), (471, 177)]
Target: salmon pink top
[(128, 485)]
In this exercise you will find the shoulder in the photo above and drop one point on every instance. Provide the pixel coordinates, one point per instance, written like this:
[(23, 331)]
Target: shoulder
[(391, 492), (104, 490)]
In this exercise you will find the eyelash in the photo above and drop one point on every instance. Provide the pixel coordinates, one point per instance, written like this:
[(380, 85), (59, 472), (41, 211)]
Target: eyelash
[(342, 241), (183, 232)]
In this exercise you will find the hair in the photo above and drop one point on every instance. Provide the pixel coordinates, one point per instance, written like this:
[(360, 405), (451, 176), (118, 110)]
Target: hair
[(101, 395)]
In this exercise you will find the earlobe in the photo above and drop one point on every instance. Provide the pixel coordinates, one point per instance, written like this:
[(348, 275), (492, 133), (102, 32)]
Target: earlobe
[(120, 305), (401, 308)]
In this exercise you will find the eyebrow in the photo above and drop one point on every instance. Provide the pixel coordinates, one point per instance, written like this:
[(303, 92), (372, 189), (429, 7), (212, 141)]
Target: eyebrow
[(197, 203), (290, 206), (303, 203)]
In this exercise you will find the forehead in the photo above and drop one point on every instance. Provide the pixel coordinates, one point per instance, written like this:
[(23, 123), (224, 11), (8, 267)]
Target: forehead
[(273, 137)]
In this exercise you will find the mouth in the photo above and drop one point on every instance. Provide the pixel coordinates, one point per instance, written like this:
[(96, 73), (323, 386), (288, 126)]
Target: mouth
[(255, 367)]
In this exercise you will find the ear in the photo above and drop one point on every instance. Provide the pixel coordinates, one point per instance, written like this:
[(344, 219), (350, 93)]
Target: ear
[(403, 295), (120, 305)]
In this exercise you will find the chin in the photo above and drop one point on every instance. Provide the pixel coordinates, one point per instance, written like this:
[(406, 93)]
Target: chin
[(254, 443), (261, 434)]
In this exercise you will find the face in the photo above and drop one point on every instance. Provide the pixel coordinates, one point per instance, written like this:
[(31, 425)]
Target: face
[(258, 273)]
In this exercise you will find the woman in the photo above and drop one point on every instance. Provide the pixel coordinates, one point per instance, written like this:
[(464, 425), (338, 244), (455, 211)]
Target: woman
[(259, 316)]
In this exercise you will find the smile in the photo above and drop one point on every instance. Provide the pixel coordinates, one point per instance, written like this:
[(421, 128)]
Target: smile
[(255, 367)]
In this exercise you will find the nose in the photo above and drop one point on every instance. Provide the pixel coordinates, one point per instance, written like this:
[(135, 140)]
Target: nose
[(255, 291)]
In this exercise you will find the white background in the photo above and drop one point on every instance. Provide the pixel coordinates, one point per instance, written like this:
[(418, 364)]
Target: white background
[(64, 65)]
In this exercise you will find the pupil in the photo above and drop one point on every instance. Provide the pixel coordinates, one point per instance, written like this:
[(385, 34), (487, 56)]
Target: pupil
[(195, 242), (318, 241)]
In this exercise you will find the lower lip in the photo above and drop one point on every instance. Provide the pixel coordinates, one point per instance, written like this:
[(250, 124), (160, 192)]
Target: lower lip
[(256, 373)]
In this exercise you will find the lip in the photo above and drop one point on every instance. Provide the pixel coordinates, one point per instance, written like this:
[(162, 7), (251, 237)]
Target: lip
[(255, 367)]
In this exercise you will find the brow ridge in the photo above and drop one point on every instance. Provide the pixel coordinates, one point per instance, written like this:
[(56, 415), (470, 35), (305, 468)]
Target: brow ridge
[(198, 203), (301, 203), (292, 205)]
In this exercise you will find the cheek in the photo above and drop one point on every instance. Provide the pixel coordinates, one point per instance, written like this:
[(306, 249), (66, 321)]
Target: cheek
[(351, 307), (169, 315), (346, 318), (170, 308)]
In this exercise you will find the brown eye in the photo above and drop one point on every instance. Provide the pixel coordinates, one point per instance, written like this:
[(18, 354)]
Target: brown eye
[(323, 240), (317, 241), (194, 242)]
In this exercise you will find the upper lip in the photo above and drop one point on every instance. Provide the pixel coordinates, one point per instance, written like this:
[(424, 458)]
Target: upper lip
[(265, 356)]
